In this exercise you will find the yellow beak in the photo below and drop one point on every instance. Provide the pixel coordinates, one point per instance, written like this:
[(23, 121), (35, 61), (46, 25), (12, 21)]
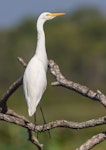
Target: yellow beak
[(56, 14)]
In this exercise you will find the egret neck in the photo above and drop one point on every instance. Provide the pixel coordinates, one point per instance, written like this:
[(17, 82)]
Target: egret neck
[(41, 49)]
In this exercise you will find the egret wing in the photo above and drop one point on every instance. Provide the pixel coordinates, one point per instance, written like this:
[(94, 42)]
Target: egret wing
[(34, 82)]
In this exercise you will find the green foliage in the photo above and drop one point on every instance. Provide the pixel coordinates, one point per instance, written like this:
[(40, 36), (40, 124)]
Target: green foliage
[(78, 44)]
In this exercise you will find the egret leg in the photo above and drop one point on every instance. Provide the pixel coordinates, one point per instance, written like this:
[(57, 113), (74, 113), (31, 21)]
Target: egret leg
[(42, 114), (35, 122), (44, 120)]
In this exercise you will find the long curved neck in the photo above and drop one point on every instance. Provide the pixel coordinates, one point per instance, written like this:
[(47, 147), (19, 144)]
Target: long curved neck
[(41, 49)]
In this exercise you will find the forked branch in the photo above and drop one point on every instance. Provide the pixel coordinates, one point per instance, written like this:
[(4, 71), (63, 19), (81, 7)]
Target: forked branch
[(81, 89)]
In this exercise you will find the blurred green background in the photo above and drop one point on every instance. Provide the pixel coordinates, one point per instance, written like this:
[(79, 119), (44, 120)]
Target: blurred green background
[(77, 43)]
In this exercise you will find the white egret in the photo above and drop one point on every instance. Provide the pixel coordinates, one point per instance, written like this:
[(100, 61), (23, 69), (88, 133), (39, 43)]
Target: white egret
[(34, 79)]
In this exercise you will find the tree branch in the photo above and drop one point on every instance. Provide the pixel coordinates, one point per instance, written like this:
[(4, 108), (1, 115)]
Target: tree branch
[(13, 87), (83, 90), (93, 141), (12, 117), (21, 121), (34, 140)]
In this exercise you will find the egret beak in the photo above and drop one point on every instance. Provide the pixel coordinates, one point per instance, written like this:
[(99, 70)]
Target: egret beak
[(56, 14)]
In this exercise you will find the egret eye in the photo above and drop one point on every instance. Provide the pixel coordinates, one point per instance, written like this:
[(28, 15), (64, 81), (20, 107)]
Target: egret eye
[(48, 14)]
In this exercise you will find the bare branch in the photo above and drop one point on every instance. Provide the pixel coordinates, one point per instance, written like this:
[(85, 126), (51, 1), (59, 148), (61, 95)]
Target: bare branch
[(93, 141), (14, 118), (83, 90), (62, 81), (34, 140), (14, 114), (20, 121), (13, 87)]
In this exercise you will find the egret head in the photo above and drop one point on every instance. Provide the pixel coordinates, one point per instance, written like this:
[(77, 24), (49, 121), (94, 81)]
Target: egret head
[(48, 16), (44, 17)]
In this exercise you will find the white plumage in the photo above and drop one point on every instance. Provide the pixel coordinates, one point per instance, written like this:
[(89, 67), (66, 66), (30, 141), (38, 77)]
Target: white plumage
[(34, 79)]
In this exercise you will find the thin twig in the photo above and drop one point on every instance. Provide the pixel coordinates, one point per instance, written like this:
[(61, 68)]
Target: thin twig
[(22, 62)]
